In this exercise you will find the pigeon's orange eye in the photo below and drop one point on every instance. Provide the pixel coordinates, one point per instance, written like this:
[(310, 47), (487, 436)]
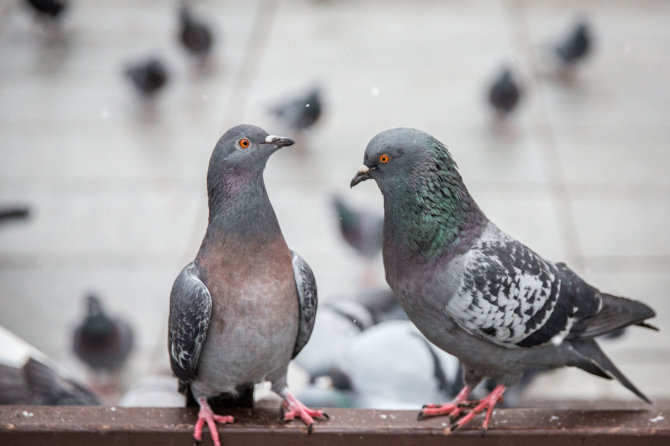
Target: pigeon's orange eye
[(244, 143), (384, 158)]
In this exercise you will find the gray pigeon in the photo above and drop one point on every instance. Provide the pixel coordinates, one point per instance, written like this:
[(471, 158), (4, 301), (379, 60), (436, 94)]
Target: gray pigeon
[(38, 384), (48, 10), (148, 77), (473, 290), (504, 94), (9, 213), (392, 366), (337, 324), (576, 46), (302, 112), (101, 341), (246, 305), (194, 35), (361, 229)]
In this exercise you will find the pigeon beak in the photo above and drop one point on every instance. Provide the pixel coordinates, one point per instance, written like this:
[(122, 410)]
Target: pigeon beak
[(362, 175), (279, 141)]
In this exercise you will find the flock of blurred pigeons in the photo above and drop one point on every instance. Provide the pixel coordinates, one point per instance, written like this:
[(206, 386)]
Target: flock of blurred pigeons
[(363, 351)]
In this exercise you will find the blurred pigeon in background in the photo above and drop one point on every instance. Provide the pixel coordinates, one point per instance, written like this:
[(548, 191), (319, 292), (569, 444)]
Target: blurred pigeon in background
[(38, 384), (300, 113), (362, 230), (194, 35), (337, 323), (48, 10), (473, 290), (148, 76), (28, 376), (246, 305), (12, 213), (102, 342), (392, 366), (504, 94), (573, 49)]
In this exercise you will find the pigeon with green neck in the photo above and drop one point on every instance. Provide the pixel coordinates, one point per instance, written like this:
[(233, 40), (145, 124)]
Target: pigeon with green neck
[(475, 291)]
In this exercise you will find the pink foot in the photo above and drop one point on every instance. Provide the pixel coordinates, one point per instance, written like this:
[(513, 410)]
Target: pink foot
[(487, 403), (452, 409), (206, 415), (292, 408)]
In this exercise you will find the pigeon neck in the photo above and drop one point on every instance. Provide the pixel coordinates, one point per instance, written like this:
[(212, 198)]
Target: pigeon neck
[(239, 207), (432, 214)]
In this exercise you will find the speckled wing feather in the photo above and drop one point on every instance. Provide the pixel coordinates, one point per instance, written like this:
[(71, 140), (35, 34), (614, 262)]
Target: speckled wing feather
[(307, 300), (513, 297), (190, 312)]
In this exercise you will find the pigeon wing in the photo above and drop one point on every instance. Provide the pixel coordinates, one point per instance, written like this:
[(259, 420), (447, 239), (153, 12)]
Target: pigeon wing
[(190, 313), (307, 301), (512, 297)]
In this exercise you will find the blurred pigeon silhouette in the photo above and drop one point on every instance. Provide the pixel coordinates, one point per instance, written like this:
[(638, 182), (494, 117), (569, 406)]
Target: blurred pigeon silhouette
[(504, 94), (360, 228), (568, 54), (102, 342), (48, 10), (195, 36), (576, 45), (148, 76), (38, 384), (301, 112), (11, 213), (28, 376), (392, 366), (337, 323)]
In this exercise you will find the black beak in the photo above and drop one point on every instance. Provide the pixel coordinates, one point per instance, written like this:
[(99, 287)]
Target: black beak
[(279, 141), (362, 175)]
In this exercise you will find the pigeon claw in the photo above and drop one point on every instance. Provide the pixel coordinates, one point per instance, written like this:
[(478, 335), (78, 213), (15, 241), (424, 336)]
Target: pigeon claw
[(293, 409), (436, 410), (207, 416), (487, 404)]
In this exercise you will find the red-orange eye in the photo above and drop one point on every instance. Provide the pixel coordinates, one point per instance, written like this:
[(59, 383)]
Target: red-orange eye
[(384, 158), (244, 143)]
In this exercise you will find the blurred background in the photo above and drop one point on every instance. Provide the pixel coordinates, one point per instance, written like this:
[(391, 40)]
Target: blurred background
[(109, 112)]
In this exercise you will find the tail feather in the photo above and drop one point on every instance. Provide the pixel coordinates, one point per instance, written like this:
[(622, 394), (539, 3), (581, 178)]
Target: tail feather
[(616, 313), (594, 360)]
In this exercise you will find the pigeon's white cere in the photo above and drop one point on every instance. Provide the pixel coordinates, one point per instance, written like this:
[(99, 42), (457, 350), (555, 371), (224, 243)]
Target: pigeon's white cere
[(271, 138)]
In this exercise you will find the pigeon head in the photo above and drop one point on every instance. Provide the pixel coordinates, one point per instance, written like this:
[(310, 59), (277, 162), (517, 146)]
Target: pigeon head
[(237, 164), (245, 148), (424, 195), (93, 306), (396, 156)]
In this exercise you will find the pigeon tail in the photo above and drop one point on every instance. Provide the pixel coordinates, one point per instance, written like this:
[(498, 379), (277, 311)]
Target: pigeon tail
[(616, 313), (596, 362)]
